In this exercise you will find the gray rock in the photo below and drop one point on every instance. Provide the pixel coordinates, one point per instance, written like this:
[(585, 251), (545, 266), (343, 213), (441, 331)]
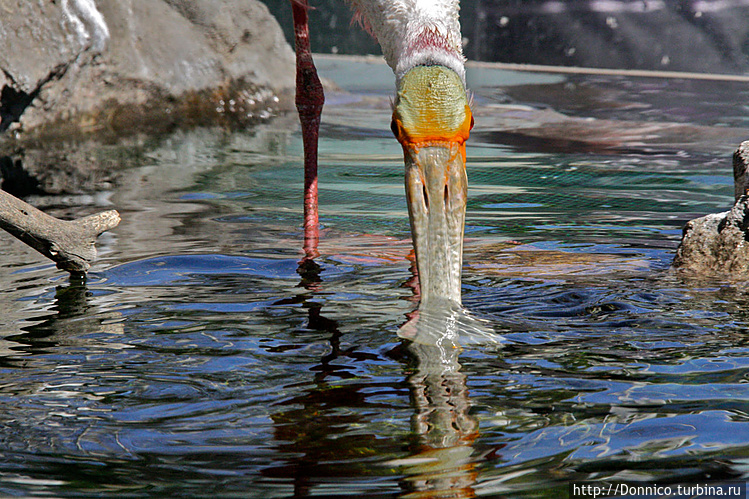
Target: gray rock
[(715, 244), (718, 244), (90, 64)]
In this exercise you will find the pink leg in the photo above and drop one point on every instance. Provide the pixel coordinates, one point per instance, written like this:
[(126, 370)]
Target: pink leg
[(309, 102)]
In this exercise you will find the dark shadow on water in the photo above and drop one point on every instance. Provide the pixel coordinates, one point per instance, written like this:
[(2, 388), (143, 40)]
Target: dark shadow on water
[(309, 430), (552, 143), (309, 271), (71, 302)]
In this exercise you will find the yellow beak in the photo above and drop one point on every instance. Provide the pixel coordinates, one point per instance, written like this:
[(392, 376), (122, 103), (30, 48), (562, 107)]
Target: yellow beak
[(432, 121)]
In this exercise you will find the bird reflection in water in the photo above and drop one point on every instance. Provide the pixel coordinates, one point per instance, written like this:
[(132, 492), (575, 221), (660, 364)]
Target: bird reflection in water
[(440, 460), (442, 463)]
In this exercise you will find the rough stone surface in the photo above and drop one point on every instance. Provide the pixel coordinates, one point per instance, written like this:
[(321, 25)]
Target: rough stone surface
[(740, 170), (715, 244), (81, 61), (718, 244)]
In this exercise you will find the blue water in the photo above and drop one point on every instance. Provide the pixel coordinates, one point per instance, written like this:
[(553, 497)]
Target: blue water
[(198, 359)]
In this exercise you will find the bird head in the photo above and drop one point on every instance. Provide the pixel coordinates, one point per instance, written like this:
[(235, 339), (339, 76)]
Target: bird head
[(432, 120)]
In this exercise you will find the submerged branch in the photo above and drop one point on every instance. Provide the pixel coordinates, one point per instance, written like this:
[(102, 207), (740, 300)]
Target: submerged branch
[(71, 244)]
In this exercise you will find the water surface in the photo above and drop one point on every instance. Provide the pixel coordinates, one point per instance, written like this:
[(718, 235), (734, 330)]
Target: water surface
[(199, 359)]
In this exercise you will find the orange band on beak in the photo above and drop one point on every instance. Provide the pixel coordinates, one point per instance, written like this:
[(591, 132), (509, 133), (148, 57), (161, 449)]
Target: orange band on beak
[(431, 131)]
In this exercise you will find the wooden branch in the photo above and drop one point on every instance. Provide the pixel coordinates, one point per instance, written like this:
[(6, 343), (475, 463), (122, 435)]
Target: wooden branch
[(71, 244)]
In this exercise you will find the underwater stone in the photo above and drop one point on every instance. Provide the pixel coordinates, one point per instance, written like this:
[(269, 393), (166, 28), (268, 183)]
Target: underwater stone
[(718, 244)]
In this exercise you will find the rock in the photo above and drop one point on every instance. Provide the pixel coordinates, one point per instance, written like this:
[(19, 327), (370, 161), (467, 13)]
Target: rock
[(88, 65), (740, 174), (718, 244), (715, 244)]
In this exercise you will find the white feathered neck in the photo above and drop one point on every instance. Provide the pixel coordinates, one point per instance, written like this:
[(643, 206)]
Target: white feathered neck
[(415, 32)]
